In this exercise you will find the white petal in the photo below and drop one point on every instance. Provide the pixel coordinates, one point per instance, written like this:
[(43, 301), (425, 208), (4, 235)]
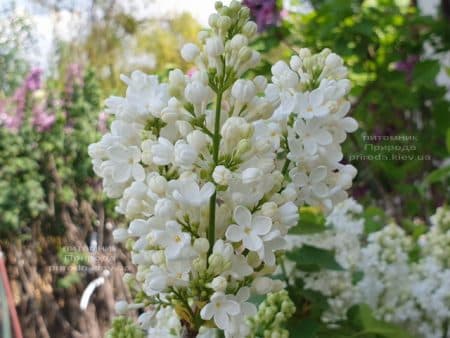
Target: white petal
[(231, 307), (139, 227), (320, 189), (310, 146), (242, 216), (207, 312), (321, 111), (252, 242), (300, 179), (121, 173), (316, 98), (349, 124), (207, 190), (222, 320), (324, 137), (118, 153), (318, 174), (261, 224), (138, 172), (234, 233), (302, 102), (248, 309)]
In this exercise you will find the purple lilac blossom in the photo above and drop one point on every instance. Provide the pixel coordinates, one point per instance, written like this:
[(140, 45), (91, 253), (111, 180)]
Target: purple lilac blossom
[(33, 81), (42, 120), (407, 66), (103, 122), (74, 78), (264, 12)]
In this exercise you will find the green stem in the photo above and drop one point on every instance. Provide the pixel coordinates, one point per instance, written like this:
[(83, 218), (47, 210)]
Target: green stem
[(284, 171), (216, 144)]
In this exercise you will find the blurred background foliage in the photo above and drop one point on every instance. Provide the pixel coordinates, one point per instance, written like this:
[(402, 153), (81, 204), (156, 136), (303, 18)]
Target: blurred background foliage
[(398, 60)]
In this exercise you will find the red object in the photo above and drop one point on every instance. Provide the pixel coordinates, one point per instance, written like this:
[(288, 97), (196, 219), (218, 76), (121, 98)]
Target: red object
[(9, 298)]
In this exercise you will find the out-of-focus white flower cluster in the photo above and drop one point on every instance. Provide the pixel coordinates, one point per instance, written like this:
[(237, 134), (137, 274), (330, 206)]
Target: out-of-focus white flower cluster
[(211, 168), (404, 281)]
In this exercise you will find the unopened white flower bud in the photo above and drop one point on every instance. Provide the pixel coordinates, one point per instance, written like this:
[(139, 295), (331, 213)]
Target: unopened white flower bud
[(235, 5), (214, 46), (333, 61), (252, 175), (219, 284), (221, 175), (183, 127), (260, 83), (198, 140), (295, 62), (197, 93), (236, 128), (238, 41), (250, 29), (201, 245), (158, 257), (185, 154), (189, 52), (253, 259), (121, 307), (262, 285), (144, 320), (304, 53), (212, 20), (269, 209), (243, 90), (176, 78), (242, 147), (278, 285), (245, 54), (120, 235), (157, 184), (224, 23), (164, 207), (202, 36)]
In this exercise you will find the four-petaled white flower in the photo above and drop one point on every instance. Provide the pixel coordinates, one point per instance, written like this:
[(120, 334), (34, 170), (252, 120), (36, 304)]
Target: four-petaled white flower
[(312, 134), (188, 192), (248, 229), (220, 308), (312, 184), (124, 162), (172, 239), (311, 104)]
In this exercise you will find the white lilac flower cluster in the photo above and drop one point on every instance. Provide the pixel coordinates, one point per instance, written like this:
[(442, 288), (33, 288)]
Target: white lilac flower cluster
[(413, 292), (344, 229), (211, 168)]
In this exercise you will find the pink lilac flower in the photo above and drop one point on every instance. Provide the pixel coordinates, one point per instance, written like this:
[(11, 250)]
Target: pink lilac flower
[(42, 120), (33, 81), (103, 122), (74, 78), (265, 12), (11, 122)]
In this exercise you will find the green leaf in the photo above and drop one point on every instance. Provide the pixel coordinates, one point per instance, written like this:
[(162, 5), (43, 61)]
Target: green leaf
[(447, 141), (437, 175), (374, 219), (311, 221), (310, 258), (361, 316), (425, 72), (305, 328)]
